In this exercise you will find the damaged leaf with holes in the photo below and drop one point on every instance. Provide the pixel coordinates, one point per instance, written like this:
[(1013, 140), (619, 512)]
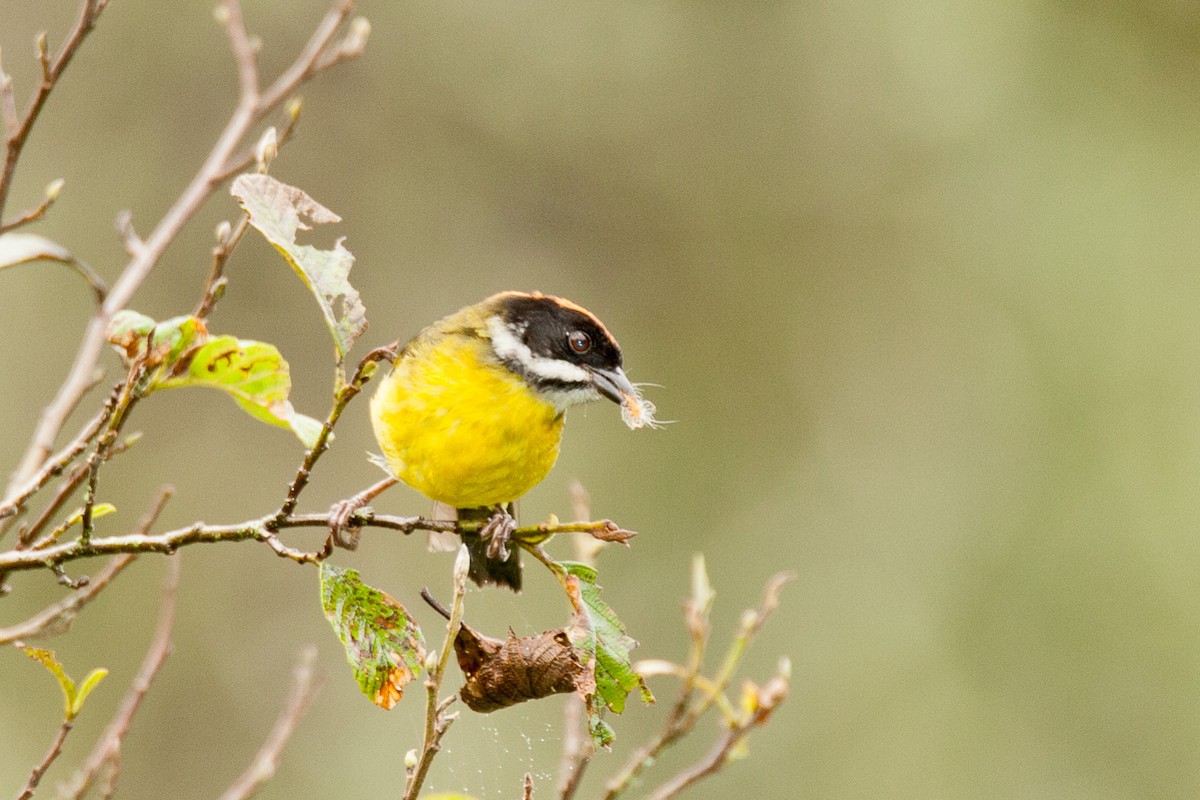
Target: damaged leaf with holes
[(383, 644), (180, 352), (279, 211), (601, 638)]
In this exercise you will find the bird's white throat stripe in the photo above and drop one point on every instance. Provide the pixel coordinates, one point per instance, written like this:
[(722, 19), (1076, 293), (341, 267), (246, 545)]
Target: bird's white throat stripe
[(509, 347)]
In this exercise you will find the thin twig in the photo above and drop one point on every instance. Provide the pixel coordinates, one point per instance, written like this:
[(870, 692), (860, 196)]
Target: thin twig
[(56, 465), (248, 112), (437, 721), (366, 368), (108, 747), (35, 776), (765, 701), (18, 129), (688, 711), (57, 617), (304, 688), (38, 212)]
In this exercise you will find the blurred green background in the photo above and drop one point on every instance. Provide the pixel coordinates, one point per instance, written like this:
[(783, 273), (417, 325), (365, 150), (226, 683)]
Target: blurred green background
[(919, 283)]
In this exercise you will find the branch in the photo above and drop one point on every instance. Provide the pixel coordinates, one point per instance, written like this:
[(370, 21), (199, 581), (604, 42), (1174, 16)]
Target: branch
[(35, 776), (17, 130), (262, 529), (55, 466), (266, 761), (58, 616), (107, 750), (437, 721), (688, 711), (250, 109), (761, 705)]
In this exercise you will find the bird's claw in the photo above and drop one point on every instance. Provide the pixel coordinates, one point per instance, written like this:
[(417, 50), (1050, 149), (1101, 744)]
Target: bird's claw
[(499, 529), (343, 533)]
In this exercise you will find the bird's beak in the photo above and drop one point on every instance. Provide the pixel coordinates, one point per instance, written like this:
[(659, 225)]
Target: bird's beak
[(636, 411), (613, 384)]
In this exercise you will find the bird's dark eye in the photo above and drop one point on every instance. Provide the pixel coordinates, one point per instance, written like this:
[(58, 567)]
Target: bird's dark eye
[(580, 342)]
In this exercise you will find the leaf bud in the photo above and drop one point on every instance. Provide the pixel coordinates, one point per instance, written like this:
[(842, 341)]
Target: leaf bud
[(267, 148), (53, 189)]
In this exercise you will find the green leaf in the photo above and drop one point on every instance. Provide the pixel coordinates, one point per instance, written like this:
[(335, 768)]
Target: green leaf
[(601, 732), (253, 373), (278, 212), (72, 698), (383, 644), (89, 683), (128, 331), (608, 642)]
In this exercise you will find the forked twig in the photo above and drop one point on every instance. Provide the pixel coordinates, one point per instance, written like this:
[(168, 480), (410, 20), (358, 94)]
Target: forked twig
[(251, 108)]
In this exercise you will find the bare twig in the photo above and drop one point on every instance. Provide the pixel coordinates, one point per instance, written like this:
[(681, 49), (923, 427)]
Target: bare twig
[(17, 129), (55, 466), (39, 211), (250, 109), (764, 701), (107, 749), (35, 776), (437, 721), (57, 617), (528, 794), (304, 688), (688, 710)]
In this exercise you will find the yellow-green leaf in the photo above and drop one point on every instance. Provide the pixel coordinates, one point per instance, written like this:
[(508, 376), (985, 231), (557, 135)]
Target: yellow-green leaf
[(72, 698), (89, 683), (98, 510), (47, 659), (253, 373), (278, 212)]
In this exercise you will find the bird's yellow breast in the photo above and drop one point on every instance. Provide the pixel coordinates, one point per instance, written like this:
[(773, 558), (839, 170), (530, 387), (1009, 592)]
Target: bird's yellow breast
[(461, 428)]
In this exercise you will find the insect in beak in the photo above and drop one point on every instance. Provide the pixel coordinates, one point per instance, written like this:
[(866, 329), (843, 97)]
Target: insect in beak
[(636, 411)]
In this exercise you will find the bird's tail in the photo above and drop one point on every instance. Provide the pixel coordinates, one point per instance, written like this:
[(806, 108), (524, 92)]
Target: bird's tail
[(484, 570)]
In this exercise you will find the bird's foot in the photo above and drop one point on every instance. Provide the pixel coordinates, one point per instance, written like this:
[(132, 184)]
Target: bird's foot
[(499, 529), (341, 530), (343, 533)]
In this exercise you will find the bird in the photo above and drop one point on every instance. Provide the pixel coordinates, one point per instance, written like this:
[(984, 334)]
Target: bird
[(471, 414)]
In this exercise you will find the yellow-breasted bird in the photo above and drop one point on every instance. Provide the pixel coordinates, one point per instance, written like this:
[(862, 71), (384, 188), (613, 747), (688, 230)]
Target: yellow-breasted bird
[(472, 413)]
